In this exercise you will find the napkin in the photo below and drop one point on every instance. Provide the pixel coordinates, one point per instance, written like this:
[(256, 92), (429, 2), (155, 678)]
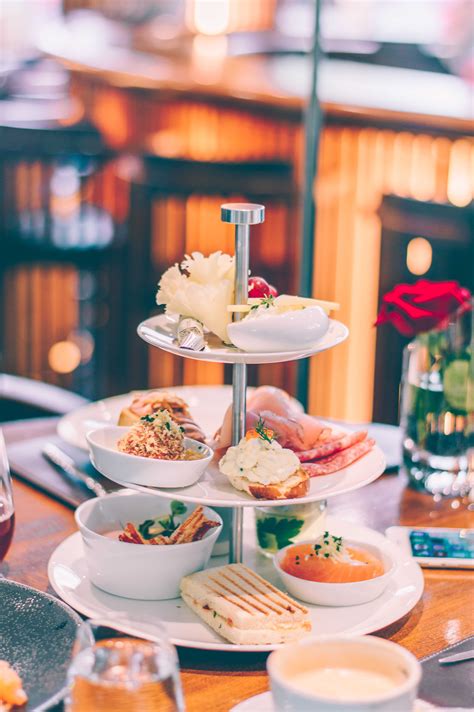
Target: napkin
[(27, 462), (452, 685)]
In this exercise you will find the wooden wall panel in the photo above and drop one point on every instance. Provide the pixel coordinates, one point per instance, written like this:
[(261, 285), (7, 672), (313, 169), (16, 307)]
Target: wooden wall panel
[(357, 167), (39, 309)]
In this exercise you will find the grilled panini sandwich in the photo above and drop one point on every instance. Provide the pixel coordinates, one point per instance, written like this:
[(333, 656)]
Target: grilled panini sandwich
[(244, 608)]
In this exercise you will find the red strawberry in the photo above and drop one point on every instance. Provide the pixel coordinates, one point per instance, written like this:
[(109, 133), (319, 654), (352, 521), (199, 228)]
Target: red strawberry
[(259, 287)]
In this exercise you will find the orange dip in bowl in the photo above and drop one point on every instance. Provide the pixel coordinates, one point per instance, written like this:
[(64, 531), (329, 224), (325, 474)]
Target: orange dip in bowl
[(303, 562)]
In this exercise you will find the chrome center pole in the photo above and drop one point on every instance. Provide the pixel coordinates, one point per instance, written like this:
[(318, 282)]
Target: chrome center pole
[(242, 215)]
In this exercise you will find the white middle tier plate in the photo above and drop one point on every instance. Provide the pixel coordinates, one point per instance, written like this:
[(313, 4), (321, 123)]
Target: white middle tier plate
[(159, 331), (68, 576), (214, 488)]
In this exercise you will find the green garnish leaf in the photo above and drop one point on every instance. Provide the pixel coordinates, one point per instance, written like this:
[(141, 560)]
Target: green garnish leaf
[(274, 533), (178, 508), (163, 524)]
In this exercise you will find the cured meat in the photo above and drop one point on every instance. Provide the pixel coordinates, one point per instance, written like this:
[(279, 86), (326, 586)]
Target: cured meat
[(288, 431), (330, 447), (328, 465)]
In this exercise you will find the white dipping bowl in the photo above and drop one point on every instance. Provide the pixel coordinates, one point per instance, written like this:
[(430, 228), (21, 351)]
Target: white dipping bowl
[(132, 469), (291, 331), (140, 571), (361, 654), (337, 594)]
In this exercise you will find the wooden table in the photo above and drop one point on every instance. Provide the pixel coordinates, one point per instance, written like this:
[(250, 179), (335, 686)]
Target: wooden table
[(444, 616)]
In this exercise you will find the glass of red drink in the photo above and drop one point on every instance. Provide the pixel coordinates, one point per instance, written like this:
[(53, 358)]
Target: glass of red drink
[(7, 509)]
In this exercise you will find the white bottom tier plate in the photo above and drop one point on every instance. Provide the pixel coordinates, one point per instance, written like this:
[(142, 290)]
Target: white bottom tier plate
[(160, 331), (67, 573), (264, 703)]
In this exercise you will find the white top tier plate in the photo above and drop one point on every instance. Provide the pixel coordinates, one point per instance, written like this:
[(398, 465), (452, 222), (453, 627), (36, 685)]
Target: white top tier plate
[(159, 331)]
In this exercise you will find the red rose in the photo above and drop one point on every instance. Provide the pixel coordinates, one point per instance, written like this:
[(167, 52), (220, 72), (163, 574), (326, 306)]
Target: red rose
[(425, 305)]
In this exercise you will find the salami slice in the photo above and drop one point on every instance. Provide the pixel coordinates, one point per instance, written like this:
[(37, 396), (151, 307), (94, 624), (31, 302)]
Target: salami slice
[(331, 447), (328, 465)]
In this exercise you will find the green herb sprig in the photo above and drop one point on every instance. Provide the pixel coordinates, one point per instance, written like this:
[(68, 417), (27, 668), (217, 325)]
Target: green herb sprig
[(265, 302), (262, 431)]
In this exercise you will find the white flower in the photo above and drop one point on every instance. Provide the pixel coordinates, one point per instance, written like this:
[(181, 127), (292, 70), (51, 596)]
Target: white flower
[(203, 291)]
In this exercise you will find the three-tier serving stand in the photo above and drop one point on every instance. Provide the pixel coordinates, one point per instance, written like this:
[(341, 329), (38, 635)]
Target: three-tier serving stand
[(214, 489)]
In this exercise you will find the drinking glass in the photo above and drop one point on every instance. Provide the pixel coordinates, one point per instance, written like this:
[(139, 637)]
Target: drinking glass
[(111, 672), (7, 509), (278, 527)]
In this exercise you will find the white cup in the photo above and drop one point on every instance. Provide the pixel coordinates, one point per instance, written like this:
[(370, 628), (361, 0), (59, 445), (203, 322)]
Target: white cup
[(364, 654)]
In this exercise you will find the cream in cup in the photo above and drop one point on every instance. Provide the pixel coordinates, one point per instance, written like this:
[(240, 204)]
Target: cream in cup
[(343, 674)]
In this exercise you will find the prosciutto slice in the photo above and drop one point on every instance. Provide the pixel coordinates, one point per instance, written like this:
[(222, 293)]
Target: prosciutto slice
[(328, 465)]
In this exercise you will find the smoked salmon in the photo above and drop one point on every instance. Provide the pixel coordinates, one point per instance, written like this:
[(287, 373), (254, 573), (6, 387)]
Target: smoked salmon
[(347, 565)]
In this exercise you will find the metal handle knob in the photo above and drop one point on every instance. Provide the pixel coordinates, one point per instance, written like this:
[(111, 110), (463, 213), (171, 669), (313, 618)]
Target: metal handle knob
[(242, 213)]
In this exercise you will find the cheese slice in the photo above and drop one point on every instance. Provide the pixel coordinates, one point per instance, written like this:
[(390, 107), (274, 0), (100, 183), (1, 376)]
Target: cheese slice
[(287, 301)]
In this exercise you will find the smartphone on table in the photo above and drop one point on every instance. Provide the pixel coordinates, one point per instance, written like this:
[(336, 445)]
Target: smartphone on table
[(436, 547)]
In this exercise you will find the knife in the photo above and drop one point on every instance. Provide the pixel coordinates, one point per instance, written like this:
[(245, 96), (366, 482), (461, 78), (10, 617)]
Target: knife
[(66, 464), (457, 657)]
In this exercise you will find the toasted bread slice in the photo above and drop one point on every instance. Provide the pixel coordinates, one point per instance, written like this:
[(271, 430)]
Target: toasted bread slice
[(243, 607), (295, 486)]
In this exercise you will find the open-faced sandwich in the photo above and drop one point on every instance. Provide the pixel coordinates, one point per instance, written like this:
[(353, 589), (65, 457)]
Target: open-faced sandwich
[(149, 403), (260, 466), (243, 607), (321, 448)]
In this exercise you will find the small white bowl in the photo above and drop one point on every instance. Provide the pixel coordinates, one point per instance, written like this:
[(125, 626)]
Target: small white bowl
[(291, 331), (140, 571), (134, 469), (337, 594), (358, 653)]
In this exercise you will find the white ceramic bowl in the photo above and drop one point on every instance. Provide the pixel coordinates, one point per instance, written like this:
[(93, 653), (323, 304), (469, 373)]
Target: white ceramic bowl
[(108, 459), (359, 653), (337, 594), (141, 571), (291, 331)]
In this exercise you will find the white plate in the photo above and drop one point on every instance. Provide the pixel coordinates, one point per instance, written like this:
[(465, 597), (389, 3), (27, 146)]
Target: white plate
[(159, 331), (264, 703), (214, 488), (68, 577), (206, 403)]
